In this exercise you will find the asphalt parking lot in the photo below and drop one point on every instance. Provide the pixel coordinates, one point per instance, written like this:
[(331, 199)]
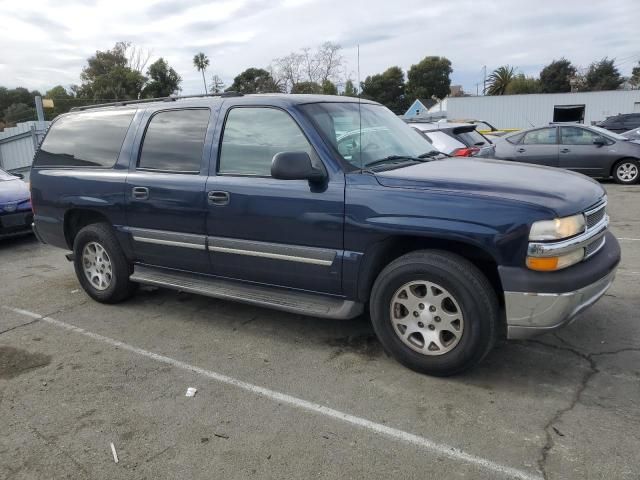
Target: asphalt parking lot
[(285, 396)]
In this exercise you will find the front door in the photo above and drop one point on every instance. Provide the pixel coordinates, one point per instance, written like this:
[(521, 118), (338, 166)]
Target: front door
[(165, 194), (539, 147), (276, 232), (579, 153)]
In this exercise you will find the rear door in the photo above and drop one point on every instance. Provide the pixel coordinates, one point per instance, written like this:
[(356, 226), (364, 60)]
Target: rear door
[(166, 206), (277, 232), (579, 153), (539, 147)]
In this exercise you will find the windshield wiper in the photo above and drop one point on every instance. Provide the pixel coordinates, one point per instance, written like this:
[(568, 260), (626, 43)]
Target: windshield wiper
[(433, 153), (392, 158)]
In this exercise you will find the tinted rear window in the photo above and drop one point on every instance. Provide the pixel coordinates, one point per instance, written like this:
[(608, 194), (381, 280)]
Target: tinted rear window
[(87, 139), (174, 141), (472, 138)]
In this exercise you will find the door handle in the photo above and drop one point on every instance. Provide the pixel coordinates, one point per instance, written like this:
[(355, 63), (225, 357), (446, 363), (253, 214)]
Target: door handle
[(565, 150), (140, 193), (218, 198), (522, 150)]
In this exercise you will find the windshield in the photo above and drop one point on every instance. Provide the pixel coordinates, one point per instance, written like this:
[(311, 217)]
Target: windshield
[(383, 134), (604, 131), (5, 176)]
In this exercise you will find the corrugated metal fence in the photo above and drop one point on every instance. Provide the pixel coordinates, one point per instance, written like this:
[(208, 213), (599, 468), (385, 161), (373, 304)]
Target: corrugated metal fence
[(18, 146)]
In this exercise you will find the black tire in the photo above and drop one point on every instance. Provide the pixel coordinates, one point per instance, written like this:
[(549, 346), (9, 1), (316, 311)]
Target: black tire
[(470, 289), (617, 175), (120, 287)]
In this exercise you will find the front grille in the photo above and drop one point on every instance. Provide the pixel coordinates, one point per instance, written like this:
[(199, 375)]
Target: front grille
[(593, 247), (595, 216)]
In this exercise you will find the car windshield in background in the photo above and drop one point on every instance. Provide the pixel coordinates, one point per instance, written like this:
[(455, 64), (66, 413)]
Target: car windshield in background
[(364, 134), (473, 138), (607, 133)]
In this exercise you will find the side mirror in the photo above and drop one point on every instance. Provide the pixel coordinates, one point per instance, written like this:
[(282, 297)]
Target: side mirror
[(18, 175), (295, 166), (600, 142)]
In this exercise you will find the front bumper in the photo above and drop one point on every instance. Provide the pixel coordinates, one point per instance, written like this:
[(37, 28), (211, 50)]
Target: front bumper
[(546, 305), (15, 223)]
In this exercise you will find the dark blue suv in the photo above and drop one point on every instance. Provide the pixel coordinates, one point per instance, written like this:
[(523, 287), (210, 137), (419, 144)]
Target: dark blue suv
[(267, 200)]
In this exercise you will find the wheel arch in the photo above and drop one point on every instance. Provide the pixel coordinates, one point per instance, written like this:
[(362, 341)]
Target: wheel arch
[(76, 219), (383, 253)]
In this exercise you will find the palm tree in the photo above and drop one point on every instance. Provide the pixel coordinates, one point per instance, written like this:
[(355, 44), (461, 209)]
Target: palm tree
[(201, 62), (500, 79)]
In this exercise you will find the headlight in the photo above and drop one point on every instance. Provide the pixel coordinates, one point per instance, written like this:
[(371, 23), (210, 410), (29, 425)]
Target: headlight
[(557, 229), (550, 264)]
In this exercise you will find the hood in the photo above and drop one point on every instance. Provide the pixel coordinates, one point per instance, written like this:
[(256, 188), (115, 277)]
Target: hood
[(563, 191), (13, 191)]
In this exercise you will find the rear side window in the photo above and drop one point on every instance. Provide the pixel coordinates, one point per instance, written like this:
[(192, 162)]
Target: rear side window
[(87, 139), (252, 136), (544, 136), (174, 141)]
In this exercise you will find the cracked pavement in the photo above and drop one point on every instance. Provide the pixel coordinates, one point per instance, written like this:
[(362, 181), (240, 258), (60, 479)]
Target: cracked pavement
[(561, 406)]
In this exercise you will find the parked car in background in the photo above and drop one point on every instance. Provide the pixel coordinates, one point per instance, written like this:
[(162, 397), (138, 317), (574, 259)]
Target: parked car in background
[(15, 206), (632, 134), (621, 123), (455, 139), (485, 128), (592, 151)]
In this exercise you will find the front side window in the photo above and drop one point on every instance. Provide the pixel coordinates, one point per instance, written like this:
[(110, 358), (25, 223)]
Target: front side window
[(253, 135), (85, 139), (577, 136), (174, 141), (544, 136)]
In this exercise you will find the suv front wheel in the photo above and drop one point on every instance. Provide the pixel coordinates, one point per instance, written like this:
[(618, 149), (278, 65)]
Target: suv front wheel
[(100, 264), (434, 312)]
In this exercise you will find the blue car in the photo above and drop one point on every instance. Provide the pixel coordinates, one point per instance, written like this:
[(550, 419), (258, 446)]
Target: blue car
[(16, 216)]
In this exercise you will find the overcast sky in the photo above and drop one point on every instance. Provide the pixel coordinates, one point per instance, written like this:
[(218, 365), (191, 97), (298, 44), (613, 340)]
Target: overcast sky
[(45, 43)]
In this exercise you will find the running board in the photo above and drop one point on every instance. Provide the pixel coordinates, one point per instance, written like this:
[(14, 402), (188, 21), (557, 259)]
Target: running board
[(270, 297)]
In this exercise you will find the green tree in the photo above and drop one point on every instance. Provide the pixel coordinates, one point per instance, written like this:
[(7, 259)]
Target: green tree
[(62, 101), (556, 77), (164, 81), (635, 76), (306, 87), (523, 84), (387, 88), (329, 88), (254, 80), (201, 62), (350, 89), (602, 75), (429, 78), (18, 112), (107, 76), (500, 79)]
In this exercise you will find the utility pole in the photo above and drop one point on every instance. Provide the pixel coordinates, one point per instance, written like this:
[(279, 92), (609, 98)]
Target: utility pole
[(484, 79)]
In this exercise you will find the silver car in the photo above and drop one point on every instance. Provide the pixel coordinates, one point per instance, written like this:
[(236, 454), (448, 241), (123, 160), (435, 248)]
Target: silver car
[(590, 150), (455, 139)]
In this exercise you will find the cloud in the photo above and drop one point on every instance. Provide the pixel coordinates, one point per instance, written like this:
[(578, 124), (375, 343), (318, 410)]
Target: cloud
[(45, 44)]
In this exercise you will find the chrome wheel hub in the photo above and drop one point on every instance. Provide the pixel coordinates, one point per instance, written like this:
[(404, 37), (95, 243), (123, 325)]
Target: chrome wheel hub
[(96, 265), (427, 318), (627, 171)]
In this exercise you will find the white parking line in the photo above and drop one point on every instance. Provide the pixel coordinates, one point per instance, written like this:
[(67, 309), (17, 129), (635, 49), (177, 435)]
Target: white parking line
[(624, 239), (435, 447)]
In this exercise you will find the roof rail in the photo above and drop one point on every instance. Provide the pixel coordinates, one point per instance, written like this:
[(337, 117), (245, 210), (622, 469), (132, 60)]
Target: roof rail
[(158, 99)]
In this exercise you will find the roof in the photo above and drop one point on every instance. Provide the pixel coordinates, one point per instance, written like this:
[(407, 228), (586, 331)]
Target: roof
[(262, 98), (430, 126)]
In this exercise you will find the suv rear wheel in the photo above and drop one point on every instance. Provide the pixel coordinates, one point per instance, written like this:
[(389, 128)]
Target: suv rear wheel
[(435, 312), (100, 264)]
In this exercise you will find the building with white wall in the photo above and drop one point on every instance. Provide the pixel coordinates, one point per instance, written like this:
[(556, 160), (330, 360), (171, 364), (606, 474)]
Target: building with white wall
[(524, 111)]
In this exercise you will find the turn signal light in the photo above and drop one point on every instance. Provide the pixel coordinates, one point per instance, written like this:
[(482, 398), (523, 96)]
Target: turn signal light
[(550, 264)]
